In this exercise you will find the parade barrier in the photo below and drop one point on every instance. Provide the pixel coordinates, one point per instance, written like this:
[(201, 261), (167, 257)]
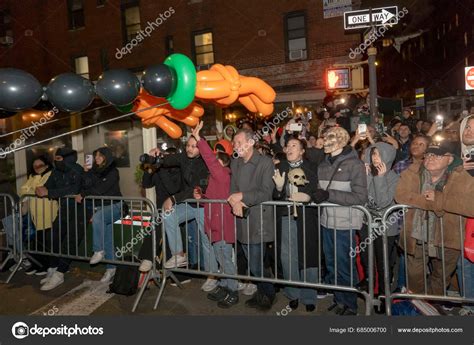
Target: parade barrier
[(9, 222), (63, 230), (432, 265), (301, 263)]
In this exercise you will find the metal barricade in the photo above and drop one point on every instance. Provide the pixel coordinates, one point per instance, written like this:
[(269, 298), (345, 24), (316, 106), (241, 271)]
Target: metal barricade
[(212, 256), (9, 222), (66, 229), (430, 267)]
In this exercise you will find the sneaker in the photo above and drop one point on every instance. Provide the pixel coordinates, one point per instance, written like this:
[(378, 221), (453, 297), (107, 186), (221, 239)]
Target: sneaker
[(97, 257), (209, 285), (56, 279), (310, 308), (266, 303), (30, 271), (249, 289), (176, 261), (231, 298), (108, 275), (218, 294), (344, 311), (293, 304), (254, 301), (41, 272), (145, 266), (49, 273), (323, 294), (466, 311), (26, 264), (241, 286), (13, 267)]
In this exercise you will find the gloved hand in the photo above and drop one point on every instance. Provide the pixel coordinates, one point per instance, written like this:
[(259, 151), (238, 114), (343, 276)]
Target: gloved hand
[(320, 196), (300, 197), (279, 180)]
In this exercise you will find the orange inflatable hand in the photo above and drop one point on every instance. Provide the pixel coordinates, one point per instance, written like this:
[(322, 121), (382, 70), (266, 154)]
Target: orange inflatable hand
[(224, 85), (159, 116)]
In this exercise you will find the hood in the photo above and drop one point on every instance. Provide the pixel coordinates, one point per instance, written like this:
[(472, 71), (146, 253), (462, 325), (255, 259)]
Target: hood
[(69, 155), (387, 153), (233, 128), (109, 159), (464, 149), (226, 145)]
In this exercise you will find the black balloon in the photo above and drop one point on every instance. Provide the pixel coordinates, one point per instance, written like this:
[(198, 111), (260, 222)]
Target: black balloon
[(118, 87), (5, 114), (159, 80), (18, 89), (70, 92)]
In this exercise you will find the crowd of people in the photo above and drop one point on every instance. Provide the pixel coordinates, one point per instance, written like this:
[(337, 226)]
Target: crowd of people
[(409, 162)]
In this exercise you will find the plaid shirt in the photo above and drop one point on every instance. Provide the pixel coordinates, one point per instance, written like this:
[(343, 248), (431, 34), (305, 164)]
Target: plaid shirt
[(401, 166)]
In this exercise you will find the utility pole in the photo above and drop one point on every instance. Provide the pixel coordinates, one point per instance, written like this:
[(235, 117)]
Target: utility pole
[(372, 53)]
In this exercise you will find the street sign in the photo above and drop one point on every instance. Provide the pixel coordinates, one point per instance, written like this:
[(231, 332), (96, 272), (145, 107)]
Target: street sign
[(420, 97), (380, 16), (469, 77), (336, 8)]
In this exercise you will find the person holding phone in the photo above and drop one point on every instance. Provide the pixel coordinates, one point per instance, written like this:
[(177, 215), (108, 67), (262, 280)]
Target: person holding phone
[(218, 220)]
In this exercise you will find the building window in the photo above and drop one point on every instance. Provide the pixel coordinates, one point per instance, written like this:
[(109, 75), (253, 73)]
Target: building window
[(76, 14), (203, 48), (81, 66), (169, 45), (131, 19), (104, 59), (6, 32), (296, 36)]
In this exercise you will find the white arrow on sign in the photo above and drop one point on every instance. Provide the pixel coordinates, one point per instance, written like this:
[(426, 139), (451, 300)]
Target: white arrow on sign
[(384, 17)]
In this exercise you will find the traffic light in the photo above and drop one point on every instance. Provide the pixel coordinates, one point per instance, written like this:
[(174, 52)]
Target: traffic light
[(338, 78)]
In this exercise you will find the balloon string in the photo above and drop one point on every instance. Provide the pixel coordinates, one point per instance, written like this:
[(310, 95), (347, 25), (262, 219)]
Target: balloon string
[(84, 128), (55, 120)]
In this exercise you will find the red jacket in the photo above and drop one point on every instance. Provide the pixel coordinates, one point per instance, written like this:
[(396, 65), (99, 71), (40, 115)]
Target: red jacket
[(218, 218)]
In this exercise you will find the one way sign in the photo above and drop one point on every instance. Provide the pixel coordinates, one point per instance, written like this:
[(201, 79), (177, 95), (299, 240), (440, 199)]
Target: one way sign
[(361, 19)]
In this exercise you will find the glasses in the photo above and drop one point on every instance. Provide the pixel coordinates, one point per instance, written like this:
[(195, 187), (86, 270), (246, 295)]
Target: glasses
[(435, 157)]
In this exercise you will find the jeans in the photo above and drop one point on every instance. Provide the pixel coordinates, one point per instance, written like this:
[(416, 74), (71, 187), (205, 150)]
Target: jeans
[(181, 213), (192, 243), (290, 265), (402, 278), (468, 279), (254, 255), (103, 230), (344, 242), (223, 252)]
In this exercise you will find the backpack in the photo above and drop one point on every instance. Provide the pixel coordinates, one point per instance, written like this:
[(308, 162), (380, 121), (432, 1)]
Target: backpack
[(125, 280)]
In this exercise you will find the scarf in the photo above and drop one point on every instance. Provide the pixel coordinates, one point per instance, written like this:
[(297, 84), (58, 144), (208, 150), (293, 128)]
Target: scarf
[(296, 164)]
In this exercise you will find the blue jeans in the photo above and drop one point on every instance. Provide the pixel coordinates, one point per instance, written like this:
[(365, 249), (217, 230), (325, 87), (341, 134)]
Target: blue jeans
[(182, 213), (468, 279), (402, 279), (255, 255), (346, 266), (103, 230), (290, 265), (223, 252), (193, 243)]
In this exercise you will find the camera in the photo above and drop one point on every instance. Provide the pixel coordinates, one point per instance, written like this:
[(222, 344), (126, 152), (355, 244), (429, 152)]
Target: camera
[(470, 156), (150, 160)]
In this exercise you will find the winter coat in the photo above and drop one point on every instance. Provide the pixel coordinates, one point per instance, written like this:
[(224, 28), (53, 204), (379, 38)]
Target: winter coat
[(102, 181), (348, 188), (308, 220), (67, 180), (453, 201), (255, 180), (43, 211), (194, 173), (382, 188), (167, 181), (218, 218)]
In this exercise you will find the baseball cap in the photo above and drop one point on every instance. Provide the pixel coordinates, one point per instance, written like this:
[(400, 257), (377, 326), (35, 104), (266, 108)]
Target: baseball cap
[(441, 148)]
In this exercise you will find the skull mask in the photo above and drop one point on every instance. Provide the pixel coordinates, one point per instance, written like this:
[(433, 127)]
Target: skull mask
[(296, 177), (335, 139)]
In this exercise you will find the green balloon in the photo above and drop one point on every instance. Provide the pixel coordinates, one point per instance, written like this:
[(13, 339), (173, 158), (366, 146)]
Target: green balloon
[(127, 108), (184, 93)]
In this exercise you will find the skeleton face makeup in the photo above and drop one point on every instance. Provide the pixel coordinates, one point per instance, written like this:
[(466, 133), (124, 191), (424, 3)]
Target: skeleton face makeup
[(335, 139), (297, 177)]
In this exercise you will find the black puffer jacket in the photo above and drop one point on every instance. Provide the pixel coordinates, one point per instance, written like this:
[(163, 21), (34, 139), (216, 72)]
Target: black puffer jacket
[(103, 180), (66, 176), (194, 173)]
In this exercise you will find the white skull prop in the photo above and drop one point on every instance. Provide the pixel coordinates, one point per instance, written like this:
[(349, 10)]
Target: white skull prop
[(296, 177)]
